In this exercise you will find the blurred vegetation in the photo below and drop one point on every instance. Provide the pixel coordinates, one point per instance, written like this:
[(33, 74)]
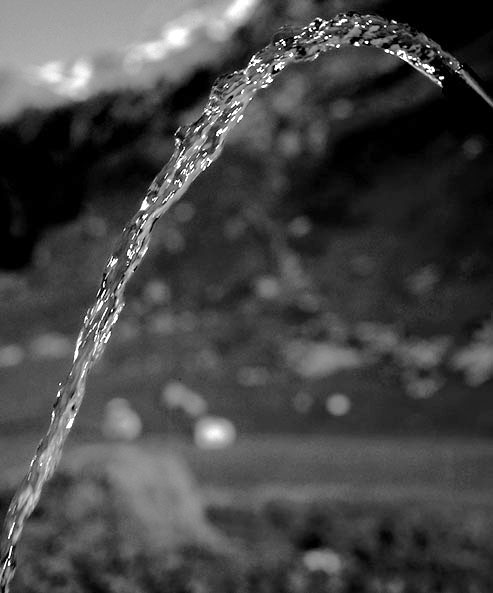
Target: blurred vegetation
[(280, 546), (330, 132)]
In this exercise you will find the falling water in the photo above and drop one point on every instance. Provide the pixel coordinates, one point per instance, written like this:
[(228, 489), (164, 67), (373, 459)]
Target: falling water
[(196, 147)]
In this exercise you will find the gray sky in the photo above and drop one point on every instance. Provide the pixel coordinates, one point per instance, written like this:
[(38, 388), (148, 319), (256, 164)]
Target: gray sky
[(35, 31)]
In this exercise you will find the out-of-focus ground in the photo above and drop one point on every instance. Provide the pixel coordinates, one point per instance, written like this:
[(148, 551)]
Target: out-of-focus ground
[(298, 514)]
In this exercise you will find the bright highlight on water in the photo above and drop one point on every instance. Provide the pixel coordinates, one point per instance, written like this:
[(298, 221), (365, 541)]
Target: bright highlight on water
[(196, 147)]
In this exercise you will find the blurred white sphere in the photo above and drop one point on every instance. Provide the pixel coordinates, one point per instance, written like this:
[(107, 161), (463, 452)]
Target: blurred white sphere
[(51, 345), (120, 421), (175, 395), (338, 404), (157, 292), (11, 355), (300, 227), (213, 432), (323, 559), (267, 288)]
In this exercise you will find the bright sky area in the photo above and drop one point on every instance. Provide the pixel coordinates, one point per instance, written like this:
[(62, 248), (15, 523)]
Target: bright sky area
[(33, 32)]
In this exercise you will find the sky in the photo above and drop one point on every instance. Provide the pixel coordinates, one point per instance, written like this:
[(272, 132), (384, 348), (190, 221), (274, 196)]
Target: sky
[(33, 32)]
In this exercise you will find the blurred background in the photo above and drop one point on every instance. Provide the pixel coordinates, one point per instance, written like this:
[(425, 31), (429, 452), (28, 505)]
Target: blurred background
[(312, 321)]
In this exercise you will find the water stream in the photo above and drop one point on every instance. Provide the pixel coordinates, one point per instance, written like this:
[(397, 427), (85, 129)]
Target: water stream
[(196, 147)]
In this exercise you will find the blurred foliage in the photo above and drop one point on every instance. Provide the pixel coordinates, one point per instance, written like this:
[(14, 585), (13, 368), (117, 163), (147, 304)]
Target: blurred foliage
[(323, 137), (352, 192), (278, 547)]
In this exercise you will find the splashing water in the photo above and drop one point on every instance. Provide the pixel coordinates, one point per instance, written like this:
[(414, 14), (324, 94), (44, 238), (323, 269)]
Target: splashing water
[(196, 147)]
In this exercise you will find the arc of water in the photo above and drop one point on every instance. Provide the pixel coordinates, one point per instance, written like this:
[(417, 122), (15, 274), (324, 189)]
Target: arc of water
[(196, 147)]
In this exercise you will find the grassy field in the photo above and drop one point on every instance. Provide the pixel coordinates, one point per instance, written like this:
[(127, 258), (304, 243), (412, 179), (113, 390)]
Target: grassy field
[(452, 470), (336, 467)]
